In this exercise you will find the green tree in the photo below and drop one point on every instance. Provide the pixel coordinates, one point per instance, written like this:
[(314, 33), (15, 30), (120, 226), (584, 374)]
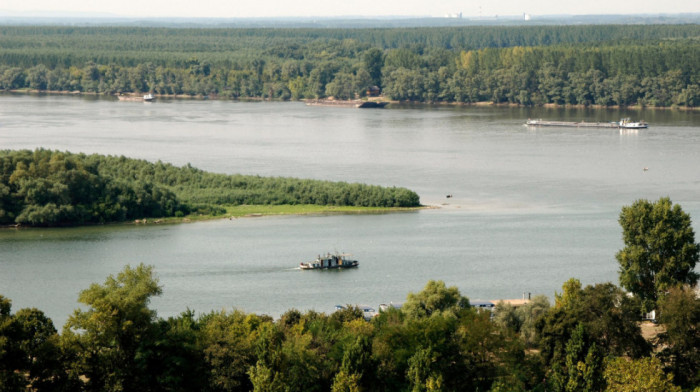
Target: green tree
[(12, 360), (583, 366), (680, 342), (436, 298), (39, 344), (423, 373), (113, 335), (523, 319), (228, 349), (660, 250), (637, 375), (373, 60), (608, 316)]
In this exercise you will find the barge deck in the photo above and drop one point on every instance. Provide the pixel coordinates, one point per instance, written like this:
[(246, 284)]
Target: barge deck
[(625, 123)]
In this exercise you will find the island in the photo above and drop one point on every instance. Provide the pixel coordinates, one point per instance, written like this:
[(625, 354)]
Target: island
[(53, 188)]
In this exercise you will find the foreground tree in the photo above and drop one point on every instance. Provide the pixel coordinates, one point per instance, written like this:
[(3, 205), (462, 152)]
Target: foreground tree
[(436, 298), (680, 342), (112, 338), (602, 316), (11, 358), (637, 375), (660, 250)]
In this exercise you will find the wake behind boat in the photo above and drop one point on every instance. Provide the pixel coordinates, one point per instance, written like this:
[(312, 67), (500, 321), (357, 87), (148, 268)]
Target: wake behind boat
[(330, 261)]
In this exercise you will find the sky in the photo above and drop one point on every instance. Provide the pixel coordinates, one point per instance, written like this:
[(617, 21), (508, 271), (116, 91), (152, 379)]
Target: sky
[(330, 8)]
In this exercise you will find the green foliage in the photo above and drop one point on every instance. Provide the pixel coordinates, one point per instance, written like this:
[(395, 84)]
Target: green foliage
[(660, 250), (227, 342), (30, 356), (436, 344), (523, 319), (422, 373), (11, 356), (637, 375), (608, 317), (605, 65), (52, 188), (680, 342), (114, 334), (583, 367), (435, 298)]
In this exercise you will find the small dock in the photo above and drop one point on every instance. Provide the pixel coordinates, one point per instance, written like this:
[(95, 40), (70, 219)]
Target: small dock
[(571, 124)]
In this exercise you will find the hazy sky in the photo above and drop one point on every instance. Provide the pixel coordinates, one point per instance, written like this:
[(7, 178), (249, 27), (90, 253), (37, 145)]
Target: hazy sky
[(305, 8)]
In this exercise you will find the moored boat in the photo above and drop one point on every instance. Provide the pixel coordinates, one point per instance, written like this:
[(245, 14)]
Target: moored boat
[(148, 97), (330, 261)]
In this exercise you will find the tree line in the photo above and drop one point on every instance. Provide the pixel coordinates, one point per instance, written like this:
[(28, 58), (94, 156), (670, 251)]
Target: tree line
[(653, 65), (53, 188), (588, 340)]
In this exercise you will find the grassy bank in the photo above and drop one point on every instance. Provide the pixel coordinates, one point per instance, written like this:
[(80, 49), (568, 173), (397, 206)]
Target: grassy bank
[(253, 211)]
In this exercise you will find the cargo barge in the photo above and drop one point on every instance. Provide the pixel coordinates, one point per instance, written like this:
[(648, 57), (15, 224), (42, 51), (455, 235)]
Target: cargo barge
[(625, 123)]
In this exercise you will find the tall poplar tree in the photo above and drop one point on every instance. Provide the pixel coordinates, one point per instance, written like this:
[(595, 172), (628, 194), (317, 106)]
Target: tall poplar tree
[(660, 250)]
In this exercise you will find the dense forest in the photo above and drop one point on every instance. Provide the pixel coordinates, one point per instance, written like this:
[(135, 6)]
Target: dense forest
[(52, 188), (590, 339), (653, 65)]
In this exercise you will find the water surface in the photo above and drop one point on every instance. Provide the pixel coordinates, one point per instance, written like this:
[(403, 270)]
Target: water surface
[(531, 207)]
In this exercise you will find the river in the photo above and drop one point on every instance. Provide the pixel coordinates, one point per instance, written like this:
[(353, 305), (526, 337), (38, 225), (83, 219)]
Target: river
[(530, 207)]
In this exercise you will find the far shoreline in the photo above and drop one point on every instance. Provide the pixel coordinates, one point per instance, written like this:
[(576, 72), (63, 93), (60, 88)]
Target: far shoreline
[(215, 97)]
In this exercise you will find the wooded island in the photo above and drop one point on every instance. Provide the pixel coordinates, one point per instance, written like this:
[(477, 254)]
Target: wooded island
[(52, 188)]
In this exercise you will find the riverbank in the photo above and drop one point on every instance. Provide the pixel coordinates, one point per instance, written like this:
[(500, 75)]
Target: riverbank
[(383, 99), (256, 211)]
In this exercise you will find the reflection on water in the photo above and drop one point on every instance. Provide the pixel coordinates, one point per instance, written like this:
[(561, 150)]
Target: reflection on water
[(530, 207)]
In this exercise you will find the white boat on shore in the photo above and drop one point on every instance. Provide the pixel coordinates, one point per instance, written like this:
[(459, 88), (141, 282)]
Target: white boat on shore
[(148, 97)]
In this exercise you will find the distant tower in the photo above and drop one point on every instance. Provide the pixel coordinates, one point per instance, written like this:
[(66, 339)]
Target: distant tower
[(526, 16)]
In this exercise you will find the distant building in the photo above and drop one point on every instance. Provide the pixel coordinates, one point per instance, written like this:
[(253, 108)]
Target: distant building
[(526, 16), (455, 15), (373, 91)]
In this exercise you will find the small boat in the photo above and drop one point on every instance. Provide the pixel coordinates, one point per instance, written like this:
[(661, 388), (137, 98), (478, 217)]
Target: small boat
[(330, 261), (625, 123), (148, 97)]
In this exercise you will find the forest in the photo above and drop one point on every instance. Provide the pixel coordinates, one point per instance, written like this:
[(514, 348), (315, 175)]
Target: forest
[(53, 188), (589, 339), (606, 65)]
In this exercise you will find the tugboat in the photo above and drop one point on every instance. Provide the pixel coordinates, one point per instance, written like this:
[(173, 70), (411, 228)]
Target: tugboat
[(330, 261), (626, 123)]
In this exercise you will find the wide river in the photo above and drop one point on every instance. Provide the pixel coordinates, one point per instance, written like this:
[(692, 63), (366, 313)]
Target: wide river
[(531, 208)]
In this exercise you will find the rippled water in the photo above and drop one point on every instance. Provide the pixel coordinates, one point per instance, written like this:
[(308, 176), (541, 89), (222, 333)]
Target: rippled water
[(530, 207)]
